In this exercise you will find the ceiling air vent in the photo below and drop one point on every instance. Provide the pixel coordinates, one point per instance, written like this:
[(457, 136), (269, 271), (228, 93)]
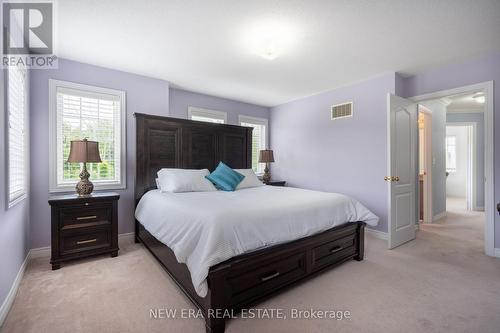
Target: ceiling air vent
[(342, 110)]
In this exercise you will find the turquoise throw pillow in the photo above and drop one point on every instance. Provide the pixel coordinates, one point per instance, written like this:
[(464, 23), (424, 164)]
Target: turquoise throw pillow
[(225, 178)]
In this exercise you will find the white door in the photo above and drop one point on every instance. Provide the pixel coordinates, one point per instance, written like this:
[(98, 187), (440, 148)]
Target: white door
[(402, 175)]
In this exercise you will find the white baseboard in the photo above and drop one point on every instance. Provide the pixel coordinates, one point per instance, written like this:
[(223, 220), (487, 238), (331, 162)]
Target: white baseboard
[(496, 252), (377, 233), (9, 300), (438, 217), (479, 209)]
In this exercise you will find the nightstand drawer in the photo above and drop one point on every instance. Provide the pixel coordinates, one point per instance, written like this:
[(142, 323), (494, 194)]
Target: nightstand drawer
[(85, 239), (85, 216)]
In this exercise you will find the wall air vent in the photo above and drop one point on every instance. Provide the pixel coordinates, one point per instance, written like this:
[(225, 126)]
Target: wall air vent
[(343, 110)]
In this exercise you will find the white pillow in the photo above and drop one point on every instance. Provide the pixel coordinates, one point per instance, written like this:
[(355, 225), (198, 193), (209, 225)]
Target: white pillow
[(184, 180), (250, 180)]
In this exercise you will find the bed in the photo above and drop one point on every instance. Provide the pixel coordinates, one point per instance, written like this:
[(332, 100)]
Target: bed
[(252, 261)]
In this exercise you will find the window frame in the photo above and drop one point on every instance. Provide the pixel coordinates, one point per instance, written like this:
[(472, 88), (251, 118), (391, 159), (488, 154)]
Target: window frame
[(257, 121), (101, 185), (12, 201), (207, 113), (446, 151)]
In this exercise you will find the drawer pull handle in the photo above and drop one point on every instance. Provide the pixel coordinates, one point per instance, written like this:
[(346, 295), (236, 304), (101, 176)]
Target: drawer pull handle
[(336, 249), (86, 241), (86, 217), (270, 276)]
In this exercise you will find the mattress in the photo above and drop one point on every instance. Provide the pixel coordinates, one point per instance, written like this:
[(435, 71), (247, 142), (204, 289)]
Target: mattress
[(207, 228)]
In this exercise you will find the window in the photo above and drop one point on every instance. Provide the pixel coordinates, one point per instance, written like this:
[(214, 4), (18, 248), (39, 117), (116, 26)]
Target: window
[(79, 111), (17, 134), (209, 116), (451, 153), (259, 139)]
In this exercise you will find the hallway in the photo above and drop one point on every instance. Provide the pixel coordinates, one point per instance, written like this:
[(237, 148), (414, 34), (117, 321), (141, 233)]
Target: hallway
[(460, 224)]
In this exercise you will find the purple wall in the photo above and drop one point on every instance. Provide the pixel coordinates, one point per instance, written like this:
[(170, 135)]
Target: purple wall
[(181, 99), (144, 95), (347, 155), (14, 221), (458, 75)]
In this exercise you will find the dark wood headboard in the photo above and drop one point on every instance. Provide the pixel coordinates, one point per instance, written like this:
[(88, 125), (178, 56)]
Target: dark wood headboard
[(164, 142)]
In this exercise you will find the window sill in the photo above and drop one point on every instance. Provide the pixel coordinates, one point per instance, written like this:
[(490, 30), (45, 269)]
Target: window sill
[(17, 200), (97, 187)]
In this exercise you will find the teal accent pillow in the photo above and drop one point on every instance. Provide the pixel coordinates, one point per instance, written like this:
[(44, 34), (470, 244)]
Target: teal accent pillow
[(225, 178)]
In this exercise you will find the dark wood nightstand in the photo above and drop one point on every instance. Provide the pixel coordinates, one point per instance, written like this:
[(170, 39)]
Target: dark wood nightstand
[(276, 183), (83, 226)]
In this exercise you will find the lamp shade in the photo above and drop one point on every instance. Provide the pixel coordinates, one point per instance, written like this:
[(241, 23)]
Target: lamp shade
[(84, 151), (266, 156)]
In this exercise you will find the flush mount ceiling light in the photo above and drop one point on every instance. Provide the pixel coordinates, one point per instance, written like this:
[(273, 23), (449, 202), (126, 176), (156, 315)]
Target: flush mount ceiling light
[(269, 39), (479, 97)]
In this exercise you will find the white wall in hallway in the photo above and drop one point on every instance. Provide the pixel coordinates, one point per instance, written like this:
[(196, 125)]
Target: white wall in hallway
[(457, 181)]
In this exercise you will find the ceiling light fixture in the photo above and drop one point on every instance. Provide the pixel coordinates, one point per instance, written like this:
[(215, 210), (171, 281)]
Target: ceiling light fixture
[(480, 98), (269, 39)]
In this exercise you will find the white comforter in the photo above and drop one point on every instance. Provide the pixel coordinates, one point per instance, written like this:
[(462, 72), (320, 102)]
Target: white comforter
[(206, 228)]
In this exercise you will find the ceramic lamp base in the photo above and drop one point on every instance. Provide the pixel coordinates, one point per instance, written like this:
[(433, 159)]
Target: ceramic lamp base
[(267, 175), (84, 186)]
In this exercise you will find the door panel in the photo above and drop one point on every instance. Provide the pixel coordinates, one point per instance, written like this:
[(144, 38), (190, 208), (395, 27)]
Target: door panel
[(402, 171)]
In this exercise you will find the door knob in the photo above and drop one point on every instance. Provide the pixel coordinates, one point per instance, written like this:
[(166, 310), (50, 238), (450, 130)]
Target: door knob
[(391, 178)]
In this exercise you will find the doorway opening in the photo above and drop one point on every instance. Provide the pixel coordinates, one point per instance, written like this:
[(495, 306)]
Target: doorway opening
[(404, 166), (457, 167)]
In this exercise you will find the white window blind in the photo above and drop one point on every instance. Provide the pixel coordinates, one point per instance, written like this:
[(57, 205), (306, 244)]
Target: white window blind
[(98, 115), (17, 143), (451, 153), (259, 134), (210, 116)]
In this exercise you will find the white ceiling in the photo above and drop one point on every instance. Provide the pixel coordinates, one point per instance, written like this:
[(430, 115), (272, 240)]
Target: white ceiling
[(200, 45), (464, 103)]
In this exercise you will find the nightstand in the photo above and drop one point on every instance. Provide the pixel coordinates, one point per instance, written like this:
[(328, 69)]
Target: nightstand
[(276, 183), (83, 226)]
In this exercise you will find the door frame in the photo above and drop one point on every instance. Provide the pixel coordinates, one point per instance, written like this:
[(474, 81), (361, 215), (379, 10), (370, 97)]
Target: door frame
[(489, 198), (428, 214)]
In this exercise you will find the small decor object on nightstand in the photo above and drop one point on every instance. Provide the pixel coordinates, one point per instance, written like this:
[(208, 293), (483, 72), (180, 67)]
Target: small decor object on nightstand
[(84, 151), (266, 156), (83, 226), (276, 183)]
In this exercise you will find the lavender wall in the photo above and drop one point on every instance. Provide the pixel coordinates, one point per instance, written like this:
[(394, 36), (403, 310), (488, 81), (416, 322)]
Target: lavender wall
[(14, 221), (144, 95), (181, 99), (457, 75), (347, 155)]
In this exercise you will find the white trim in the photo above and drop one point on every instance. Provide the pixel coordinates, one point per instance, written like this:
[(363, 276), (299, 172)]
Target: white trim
[(439, 216), (11, 296), (465, 110), (53, 85), (193, 110), (377, 234), (489, 200), (496, 252)]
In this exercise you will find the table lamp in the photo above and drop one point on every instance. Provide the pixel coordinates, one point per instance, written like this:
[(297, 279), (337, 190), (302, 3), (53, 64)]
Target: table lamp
[(84, 151), (266, 156)]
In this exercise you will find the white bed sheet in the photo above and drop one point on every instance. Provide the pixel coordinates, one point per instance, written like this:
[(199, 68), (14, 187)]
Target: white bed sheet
[(207, 228)]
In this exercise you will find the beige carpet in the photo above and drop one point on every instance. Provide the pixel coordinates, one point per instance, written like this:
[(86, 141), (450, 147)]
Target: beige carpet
[(442, 282)]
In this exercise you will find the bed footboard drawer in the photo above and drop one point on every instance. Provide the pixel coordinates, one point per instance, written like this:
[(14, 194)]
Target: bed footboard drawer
[(253, 282), (332, 252)]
